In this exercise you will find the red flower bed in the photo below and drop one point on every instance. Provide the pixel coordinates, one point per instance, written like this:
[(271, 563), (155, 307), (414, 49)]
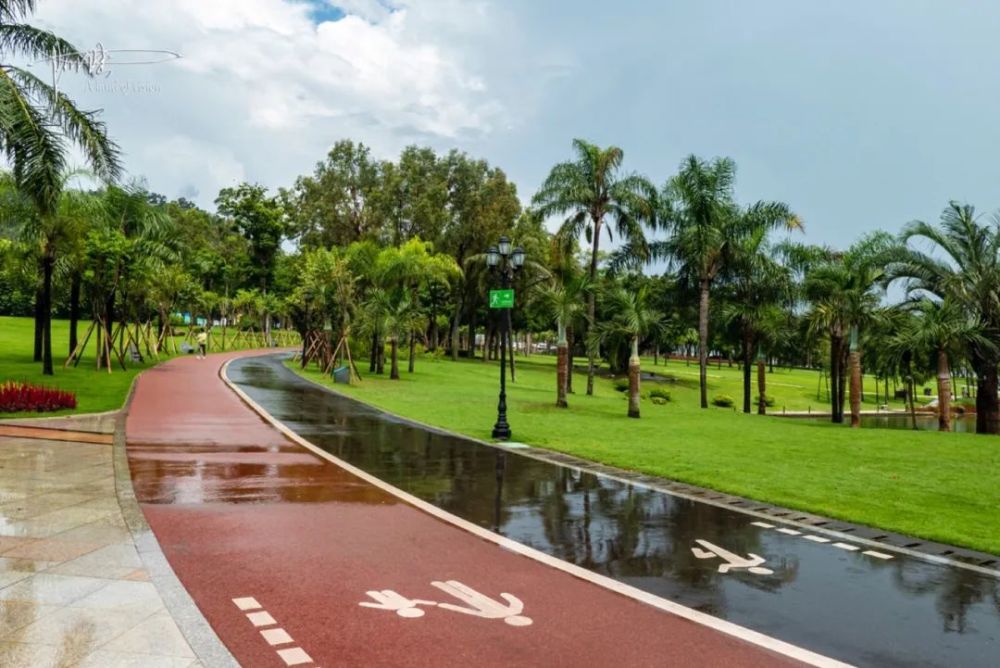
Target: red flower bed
[(18, 397)]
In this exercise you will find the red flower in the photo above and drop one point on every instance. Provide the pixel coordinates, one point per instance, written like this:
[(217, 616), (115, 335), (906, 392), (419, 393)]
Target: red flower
[(23, 397)]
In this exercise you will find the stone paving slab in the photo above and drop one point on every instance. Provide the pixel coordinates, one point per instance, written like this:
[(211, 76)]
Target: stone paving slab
[(74, 588)]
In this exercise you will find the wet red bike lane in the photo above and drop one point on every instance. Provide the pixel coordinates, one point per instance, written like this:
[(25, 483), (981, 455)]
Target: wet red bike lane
[(296, 560)]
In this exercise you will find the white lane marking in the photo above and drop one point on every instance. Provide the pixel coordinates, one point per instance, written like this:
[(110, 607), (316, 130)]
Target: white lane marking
[(483, 606), (247, 603), (763, 525), (845, 546), (262, 618), (277, 636), (877, 555), (817, 539), (294, 656), (790, 532), (387, 599), (733, 561), (720, 625)]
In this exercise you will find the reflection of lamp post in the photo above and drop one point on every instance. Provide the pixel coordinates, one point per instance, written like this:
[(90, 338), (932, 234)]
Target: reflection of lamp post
[(501, 259)]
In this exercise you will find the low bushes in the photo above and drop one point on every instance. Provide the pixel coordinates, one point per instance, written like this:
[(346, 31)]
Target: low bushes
[(22, 397), (768, 401), (723, 401), (658, 395)]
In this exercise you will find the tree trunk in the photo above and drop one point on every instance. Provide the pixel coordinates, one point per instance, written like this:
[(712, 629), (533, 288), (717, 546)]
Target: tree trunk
[(835, 376), (987, 410), (855, 365), (413, 352), (562, 358), (569, 360), (48, 264), (703, 341), (761, 388), (747, 345), (455, 324), (633, 380), (373, 361), (944, 391), (380, 358), (394, 370), (39, 320), (592, 304), (472, 336), (74, 310)]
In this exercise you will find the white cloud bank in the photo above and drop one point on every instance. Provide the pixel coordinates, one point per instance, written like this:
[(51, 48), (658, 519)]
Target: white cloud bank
[(262, 90)]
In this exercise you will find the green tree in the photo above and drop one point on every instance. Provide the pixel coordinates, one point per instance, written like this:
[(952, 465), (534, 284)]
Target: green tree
[(593, 193), (36, 120), (565, 302), (634, 319), (963, 268), (705, 225)]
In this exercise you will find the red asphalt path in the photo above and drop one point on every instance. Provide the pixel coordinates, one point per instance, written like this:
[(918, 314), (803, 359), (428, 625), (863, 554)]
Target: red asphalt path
[(242, 511)]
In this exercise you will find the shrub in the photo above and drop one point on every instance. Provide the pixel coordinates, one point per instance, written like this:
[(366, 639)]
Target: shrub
[(659, 393), (22, 397), (768, 401), (723, 400), (621, 385), (659, 401)]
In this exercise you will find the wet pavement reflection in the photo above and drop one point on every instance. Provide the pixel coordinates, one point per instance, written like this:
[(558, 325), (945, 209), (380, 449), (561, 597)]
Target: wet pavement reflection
[(845, 604)]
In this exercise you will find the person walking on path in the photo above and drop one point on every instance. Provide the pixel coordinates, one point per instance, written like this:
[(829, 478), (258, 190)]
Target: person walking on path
[(202, 344)]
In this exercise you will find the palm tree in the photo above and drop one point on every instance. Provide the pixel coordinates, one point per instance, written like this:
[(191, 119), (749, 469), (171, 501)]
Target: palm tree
[(565, 304), (963, 268), (593, 193), (35, 122), (634, 319), (941, 330), (705, 222), (845, 291), (757, 285)]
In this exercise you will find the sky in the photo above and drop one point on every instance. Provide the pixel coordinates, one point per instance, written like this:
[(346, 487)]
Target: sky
[(860, 115)]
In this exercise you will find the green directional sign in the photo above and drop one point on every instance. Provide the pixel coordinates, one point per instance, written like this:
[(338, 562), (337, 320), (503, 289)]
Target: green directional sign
[(501, 299)]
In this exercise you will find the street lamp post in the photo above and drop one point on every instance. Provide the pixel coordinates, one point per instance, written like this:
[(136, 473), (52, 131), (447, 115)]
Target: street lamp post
[(505, 262)]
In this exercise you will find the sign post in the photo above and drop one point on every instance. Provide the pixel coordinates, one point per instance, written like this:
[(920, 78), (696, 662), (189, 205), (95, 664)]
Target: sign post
[(502, 298)]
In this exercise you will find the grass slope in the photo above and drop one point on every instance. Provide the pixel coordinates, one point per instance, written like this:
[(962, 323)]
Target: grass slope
[(943, 487), (96, 390)]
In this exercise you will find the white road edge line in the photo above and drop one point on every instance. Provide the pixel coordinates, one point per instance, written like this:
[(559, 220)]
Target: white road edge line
[(845, 546), (817, 539), (247, 603), (763, 525), (877, 555), (721, 625), (789, 532)]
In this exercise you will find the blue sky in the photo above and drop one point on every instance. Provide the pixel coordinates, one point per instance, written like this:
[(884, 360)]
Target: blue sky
[(860, 115)]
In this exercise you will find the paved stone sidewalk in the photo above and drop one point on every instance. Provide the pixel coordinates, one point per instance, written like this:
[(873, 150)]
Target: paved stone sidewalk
[(74, 587)]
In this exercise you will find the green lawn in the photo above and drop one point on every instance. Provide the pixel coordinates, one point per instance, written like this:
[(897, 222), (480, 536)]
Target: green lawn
[(96, 390), (943, 487)]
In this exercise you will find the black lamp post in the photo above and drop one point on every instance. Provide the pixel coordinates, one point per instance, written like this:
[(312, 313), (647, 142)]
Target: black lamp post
[(501, 259)]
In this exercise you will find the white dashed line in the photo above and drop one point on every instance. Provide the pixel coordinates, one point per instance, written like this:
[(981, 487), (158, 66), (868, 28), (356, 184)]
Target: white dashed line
[(262, 618), (294, 656), (277, 636), (877, 555), (248, 603), (819, 539)]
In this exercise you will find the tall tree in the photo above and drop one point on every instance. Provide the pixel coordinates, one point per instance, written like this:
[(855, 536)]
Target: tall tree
[(597, 196), (705, 223), (260, 219), (36, 120), (962, 267)]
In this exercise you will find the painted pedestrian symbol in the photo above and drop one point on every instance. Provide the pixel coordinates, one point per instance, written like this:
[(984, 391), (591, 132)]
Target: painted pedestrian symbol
[(508, 609), (752, 563)]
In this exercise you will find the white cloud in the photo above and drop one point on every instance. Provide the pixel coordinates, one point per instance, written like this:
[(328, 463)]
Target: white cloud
[(262, 90)]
